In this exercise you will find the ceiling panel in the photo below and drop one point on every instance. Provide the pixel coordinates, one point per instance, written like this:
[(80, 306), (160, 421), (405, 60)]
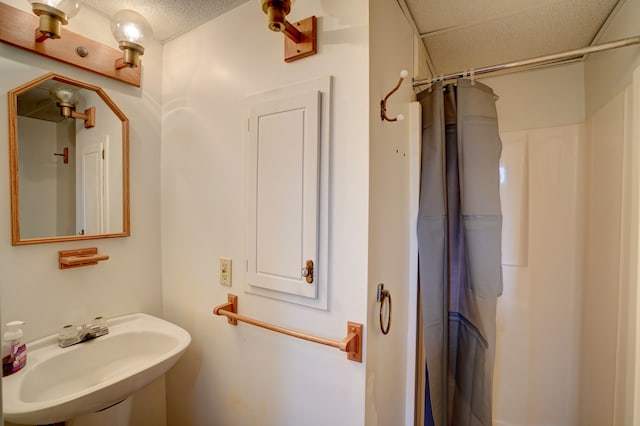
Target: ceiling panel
[(464, 34), (168, 18), (435, 15), (540, 31)]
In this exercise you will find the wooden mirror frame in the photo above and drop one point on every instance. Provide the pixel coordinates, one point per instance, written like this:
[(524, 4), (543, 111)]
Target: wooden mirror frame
[(13, 163)]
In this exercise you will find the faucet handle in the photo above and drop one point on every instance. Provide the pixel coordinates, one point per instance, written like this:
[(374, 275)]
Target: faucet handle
[(91, 328), (68, 335), (99, 321), (98, 326)]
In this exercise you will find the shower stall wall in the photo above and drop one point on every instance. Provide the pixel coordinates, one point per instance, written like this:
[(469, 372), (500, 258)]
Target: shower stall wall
[(538, 351), (563, 345)]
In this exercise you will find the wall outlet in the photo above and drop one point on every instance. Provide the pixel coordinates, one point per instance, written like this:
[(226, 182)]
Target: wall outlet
[(225, 271)]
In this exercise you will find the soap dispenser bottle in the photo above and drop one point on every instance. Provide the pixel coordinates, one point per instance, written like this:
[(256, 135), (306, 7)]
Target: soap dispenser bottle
[(14, 351)]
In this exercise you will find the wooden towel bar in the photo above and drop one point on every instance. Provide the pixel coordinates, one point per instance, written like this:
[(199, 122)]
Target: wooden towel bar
[(352, 344)]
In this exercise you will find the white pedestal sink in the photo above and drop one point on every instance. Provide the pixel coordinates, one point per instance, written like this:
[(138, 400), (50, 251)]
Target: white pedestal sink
[(59, 384)]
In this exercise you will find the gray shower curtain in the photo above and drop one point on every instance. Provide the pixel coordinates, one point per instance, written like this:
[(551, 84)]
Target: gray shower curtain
[(459, 237)]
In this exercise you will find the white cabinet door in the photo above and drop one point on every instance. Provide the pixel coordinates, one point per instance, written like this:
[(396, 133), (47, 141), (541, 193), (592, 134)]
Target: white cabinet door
[(282, 194)]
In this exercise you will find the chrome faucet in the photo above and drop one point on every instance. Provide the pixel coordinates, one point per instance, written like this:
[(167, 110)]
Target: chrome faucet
[(70, 334)]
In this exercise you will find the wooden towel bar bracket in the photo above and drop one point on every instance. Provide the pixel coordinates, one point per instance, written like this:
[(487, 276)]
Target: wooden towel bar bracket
[(352, 344)]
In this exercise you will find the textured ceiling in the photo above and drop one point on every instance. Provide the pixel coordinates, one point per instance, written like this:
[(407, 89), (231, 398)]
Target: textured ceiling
[(464, 34), (458, 34), (168, 18)]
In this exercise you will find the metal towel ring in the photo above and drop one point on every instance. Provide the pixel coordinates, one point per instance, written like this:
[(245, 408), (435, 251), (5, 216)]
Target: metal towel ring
[(382, 296)]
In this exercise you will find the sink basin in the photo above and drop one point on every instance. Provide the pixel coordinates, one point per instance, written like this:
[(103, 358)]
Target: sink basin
[(60, 384)]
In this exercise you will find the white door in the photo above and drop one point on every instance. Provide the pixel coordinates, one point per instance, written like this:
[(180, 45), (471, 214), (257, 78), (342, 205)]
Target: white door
[(91, 186)]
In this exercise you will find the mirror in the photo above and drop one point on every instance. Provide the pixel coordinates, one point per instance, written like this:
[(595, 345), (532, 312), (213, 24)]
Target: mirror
[(69, 162)]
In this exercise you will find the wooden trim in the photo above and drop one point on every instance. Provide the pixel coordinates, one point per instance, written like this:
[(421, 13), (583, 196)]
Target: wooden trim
[(126, 192), (16, 240), (17, 29), (13, 168), (44, 240)]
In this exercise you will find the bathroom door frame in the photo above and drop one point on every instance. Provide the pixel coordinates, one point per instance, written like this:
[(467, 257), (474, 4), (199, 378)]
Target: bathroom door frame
[(414, 403), (630, 268)]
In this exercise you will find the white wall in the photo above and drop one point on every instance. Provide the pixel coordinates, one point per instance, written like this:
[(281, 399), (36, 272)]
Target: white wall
[(609, 320), (47, 184), (538, 320), (543, 98), (66, 177), (540, 116), (390, 228), (609, 73), (602, 286), (37, 169), (245, 375), (32, 288)]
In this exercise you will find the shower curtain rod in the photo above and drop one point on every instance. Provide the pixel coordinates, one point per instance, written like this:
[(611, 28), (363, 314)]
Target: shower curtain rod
[(548, 59)]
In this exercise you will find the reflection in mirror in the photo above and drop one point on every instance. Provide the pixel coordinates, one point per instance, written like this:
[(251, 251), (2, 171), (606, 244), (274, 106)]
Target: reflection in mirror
[(69, 162)]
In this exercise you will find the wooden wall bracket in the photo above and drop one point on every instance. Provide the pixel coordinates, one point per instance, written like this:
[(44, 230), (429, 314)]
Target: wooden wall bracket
[(17, 29), (64, 154), (353, 341), (307, 45), (231, 306), (80, 257), (88, 116)]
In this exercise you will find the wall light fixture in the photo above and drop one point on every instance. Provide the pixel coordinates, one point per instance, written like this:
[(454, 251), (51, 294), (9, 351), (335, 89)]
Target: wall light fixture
[(300, 40), (16, 29), (129, 28), (53, 15), (66, 99)]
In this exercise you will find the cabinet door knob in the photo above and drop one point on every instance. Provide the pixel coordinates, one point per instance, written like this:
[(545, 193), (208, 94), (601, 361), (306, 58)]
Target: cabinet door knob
[(307, 271)]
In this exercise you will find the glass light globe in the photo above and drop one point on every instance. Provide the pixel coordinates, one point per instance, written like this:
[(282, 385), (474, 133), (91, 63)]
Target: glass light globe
[(63, 94), (68, 7), (128, 25)]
